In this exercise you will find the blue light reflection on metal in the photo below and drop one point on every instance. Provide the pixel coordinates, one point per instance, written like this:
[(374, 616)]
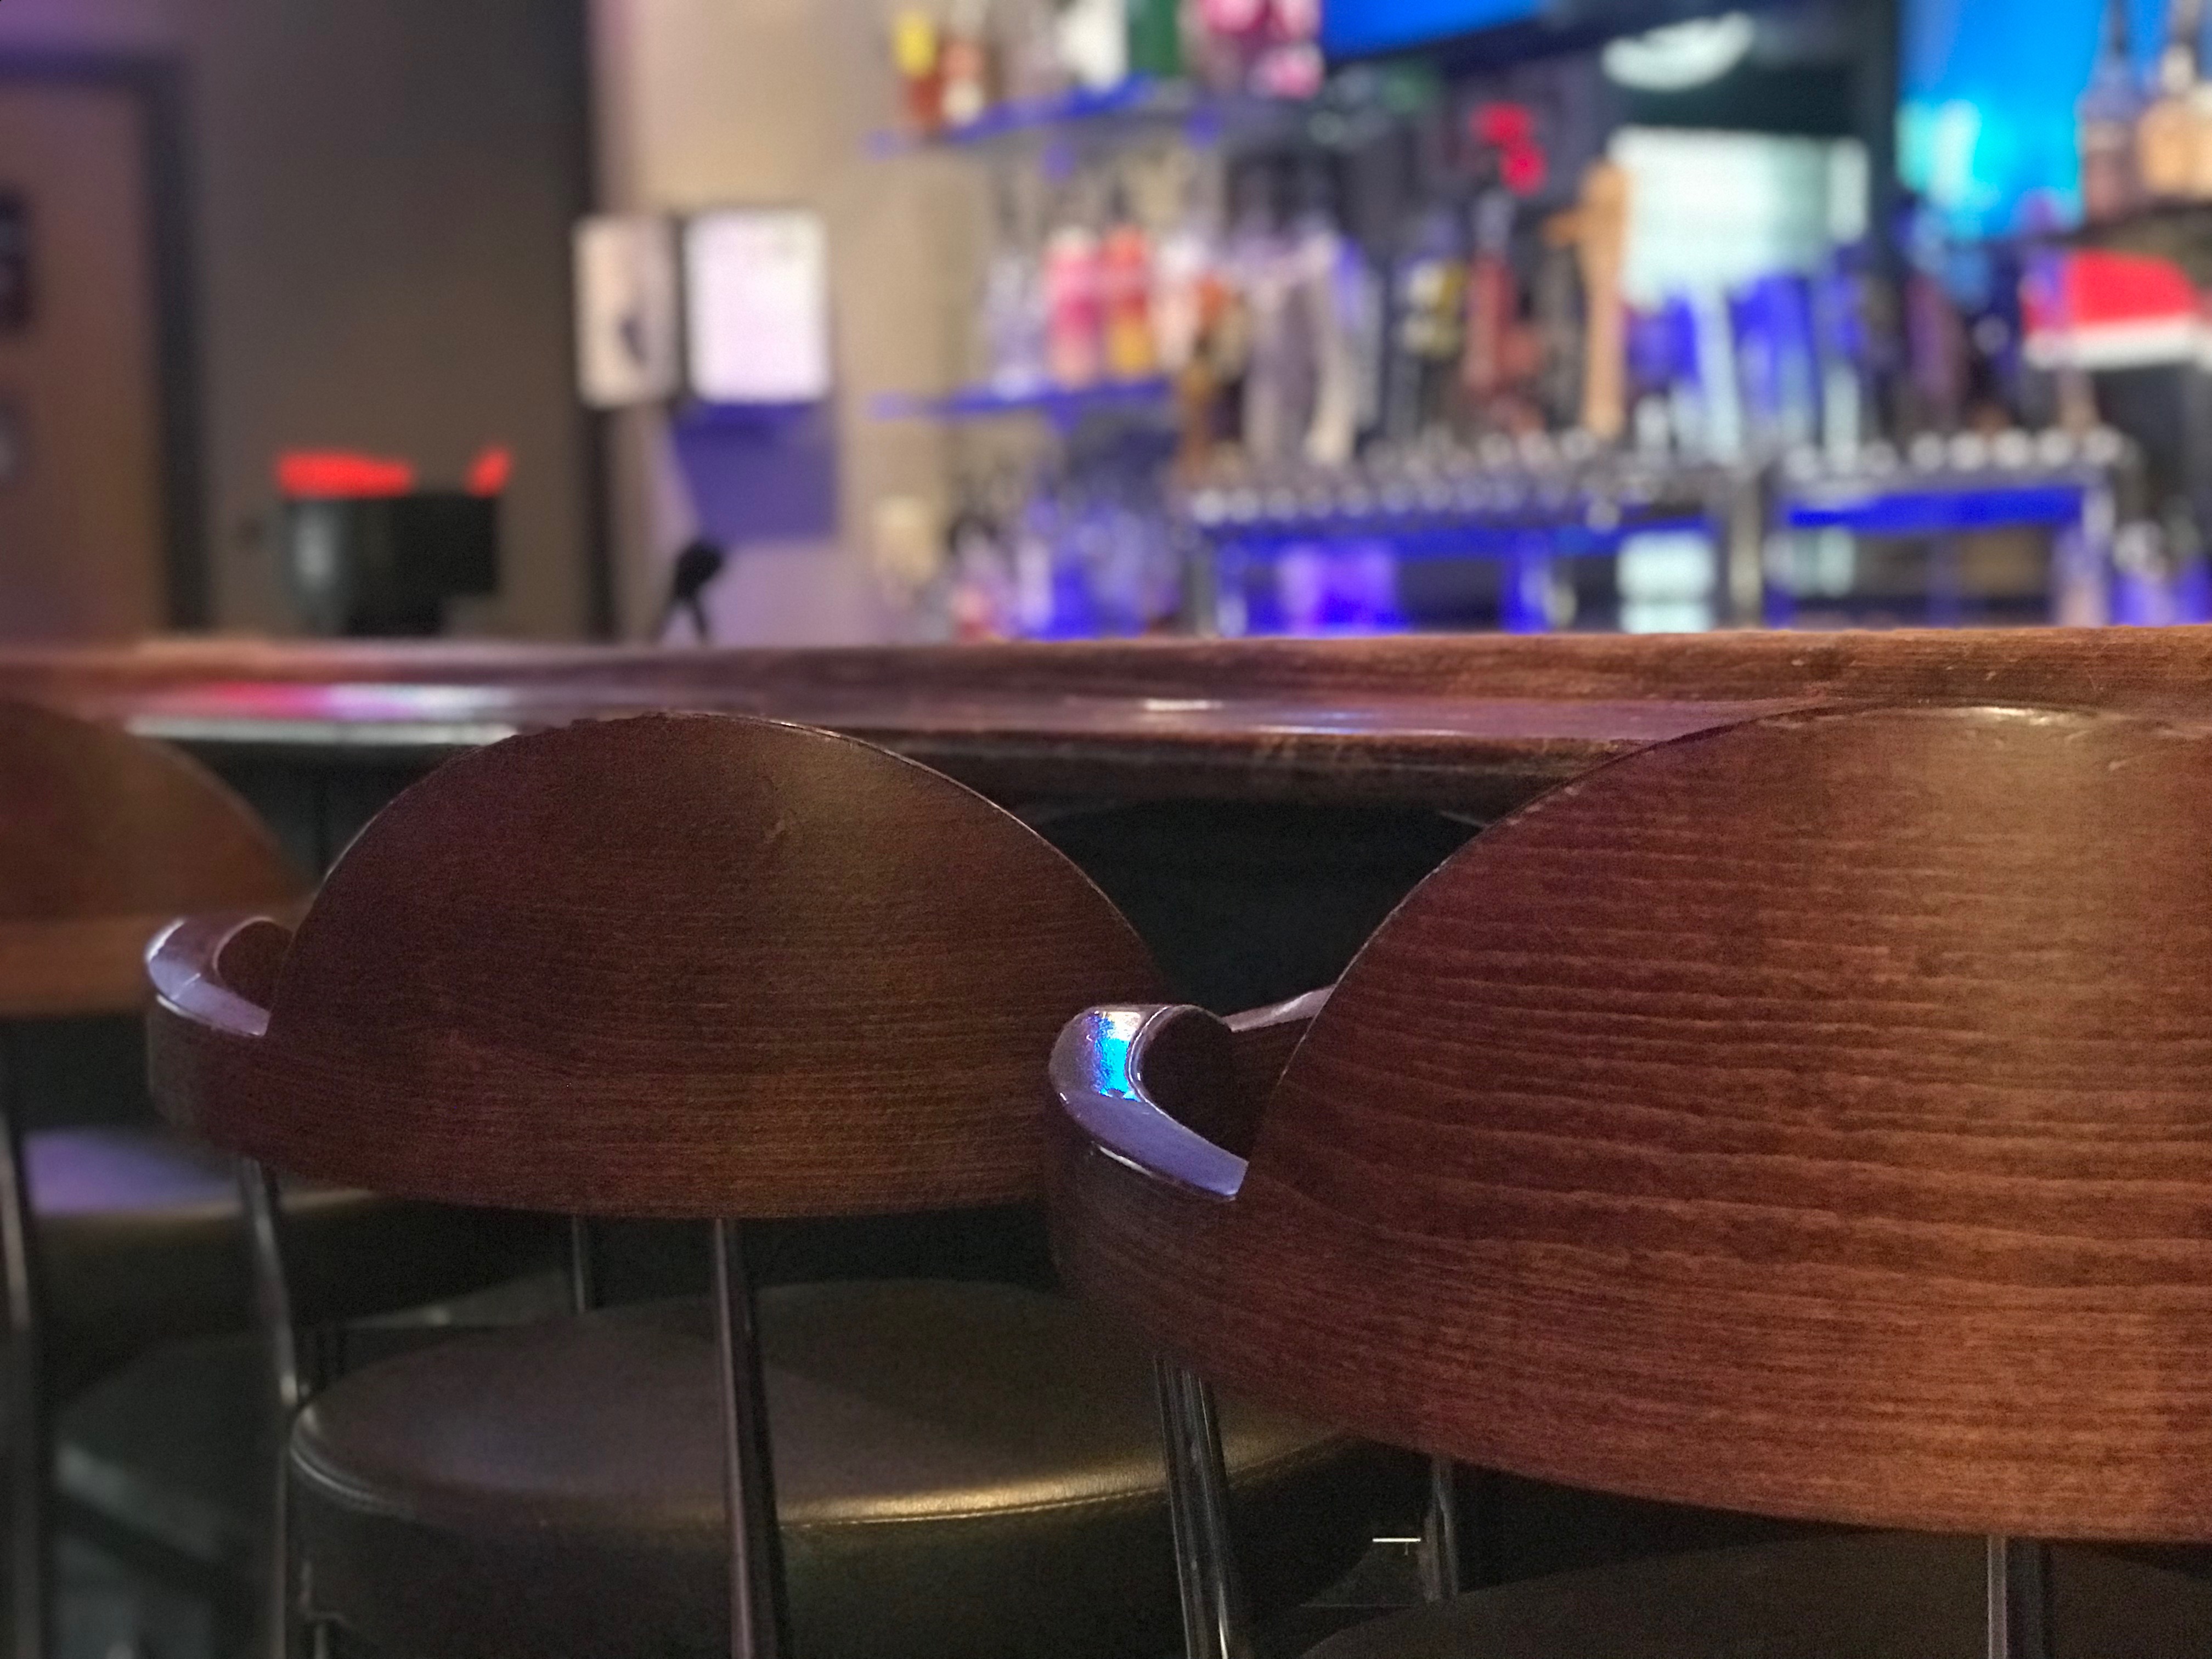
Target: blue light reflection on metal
[(1931, 513), (1112, 1036), (1447, 539), (1094, 1075)]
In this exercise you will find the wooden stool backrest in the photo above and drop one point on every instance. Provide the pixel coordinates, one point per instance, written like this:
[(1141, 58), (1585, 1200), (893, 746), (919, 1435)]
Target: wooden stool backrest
[(680, 966), (1814, 1118), (104, 837)]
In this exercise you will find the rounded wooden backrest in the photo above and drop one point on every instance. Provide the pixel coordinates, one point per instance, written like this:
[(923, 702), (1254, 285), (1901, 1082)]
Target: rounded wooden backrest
[(1814, 1118), (694, 966), (103, 838)]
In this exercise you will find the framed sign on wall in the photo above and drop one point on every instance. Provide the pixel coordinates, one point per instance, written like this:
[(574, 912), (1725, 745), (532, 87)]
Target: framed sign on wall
[(756, 305), (14, 263)]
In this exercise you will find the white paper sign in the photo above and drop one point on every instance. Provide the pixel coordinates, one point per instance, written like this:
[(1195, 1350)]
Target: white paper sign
[(756, 305), (627, 310)]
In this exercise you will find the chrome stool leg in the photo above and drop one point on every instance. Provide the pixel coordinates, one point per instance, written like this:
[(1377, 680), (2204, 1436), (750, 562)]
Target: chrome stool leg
[(1440, 1545), (1215, 1625), (30, 1452), (281, 1612), (583, 1266), (759, 1625), (2019, 1592)]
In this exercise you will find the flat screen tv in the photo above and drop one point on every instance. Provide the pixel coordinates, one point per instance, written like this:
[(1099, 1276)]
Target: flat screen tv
[(1375, 28), (1367, 28), (1990, 92)]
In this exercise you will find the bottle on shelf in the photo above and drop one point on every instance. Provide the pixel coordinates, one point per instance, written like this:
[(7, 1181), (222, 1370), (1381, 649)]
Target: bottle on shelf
[(1200, 323), (1094, 43), (1289, 63), (2167, 141), (1155, 47), (967, 86), (1427, 306), (1030, 68), (1125, 282), (1014, 317), (1333, 291), (1493, 310), (2105, 123), (917, 56), (1280, 376), (2200, 110), (1073, 346), (1185, 255)]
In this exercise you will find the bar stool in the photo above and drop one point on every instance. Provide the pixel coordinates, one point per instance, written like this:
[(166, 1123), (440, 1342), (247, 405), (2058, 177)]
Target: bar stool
[(730, 971), (1813, 1120), (130, 1235)]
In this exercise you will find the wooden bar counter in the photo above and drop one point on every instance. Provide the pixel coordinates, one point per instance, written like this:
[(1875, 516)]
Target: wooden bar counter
[(1467, 723), (1257, 805)]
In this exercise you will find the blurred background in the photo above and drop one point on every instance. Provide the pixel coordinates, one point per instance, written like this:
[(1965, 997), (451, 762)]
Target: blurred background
[(842, 321)]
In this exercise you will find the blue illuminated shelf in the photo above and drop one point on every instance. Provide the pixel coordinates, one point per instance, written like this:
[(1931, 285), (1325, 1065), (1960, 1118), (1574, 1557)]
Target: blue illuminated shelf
[(1938, 507), (1138, 103), (1059, 405)]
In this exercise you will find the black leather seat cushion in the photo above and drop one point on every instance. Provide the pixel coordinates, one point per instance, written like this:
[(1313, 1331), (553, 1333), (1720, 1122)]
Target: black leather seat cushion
[(1856, 1597), (964, 1471), (141, 1243)]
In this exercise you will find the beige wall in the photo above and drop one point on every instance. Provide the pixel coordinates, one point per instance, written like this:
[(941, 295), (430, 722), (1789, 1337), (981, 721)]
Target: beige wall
[(708, 101), (383, 196)]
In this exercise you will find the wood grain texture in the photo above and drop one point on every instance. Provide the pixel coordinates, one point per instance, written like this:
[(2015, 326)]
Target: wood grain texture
[(685, 966), (1814, 1118), (104, 838), (2151, 670), (1474, 724)]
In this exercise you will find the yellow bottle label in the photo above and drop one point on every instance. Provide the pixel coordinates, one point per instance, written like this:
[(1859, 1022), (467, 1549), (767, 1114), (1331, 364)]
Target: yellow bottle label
[(913, 44)]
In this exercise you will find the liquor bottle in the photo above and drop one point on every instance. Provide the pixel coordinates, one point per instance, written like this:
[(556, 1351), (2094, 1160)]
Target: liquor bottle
[(1155, 39), (1229, 35), (2166, 142), (1288, 62), (1014, 322), (1030, 70), (1125, 278), (1427, 301), (917, 52), (1333, 285), (1073, 342), (2105, 124), (1184, 258), (1094, 43), (1496, 360), (1936, 347), (966, 90), (1279, 377), (2200, 111)]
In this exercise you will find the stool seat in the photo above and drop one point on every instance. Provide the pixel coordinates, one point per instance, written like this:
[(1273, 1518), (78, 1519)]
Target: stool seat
[(1879, 1596), (962, 1471), (141, 1243)]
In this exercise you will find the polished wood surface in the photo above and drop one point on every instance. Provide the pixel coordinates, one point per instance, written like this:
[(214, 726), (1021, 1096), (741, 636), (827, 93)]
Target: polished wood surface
[(1814, 1118), (674, 965), (1474, 724), (103, 840)]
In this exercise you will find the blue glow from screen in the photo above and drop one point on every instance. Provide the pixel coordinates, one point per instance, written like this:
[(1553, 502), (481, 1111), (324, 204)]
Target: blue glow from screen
[(1354, 28), (1986, 129)]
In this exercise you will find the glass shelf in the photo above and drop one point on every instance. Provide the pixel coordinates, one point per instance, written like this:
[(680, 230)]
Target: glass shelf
[(1061, 405), (1138, 105)]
